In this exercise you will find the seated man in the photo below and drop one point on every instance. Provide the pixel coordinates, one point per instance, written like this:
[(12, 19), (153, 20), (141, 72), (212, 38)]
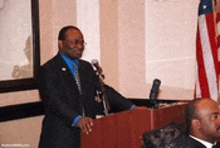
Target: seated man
[(203, 127), (203, 120)]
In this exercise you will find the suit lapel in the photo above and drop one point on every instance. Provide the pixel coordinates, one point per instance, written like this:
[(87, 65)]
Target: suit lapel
[(196, 143), (65, 72)]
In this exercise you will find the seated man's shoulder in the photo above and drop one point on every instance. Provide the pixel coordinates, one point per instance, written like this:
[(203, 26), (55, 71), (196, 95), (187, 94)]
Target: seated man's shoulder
[(185, 141)]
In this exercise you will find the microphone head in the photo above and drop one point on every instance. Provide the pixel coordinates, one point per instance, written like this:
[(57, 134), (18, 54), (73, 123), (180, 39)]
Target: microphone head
[(94, 61), (157, 82), (154, 92), (155, 89)]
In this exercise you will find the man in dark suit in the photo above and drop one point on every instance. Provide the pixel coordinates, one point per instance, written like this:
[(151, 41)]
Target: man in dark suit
[(203, 120), (69, 100), (203, 129)]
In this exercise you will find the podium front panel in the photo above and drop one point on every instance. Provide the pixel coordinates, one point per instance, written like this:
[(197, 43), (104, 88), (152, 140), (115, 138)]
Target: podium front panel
[(125, 129)]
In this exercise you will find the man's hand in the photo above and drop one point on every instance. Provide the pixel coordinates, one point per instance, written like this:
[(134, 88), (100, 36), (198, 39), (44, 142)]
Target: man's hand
[(86, 124), (97, 99)]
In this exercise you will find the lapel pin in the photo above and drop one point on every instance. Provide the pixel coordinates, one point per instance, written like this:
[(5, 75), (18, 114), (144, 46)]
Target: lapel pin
[(63, 69)]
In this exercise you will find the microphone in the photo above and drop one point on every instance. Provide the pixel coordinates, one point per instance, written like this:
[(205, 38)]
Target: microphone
[(154, 92), (102, 92), (95, 63)]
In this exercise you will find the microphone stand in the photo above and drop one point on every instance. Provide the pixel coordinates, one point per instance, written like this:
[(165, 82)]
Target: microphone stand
[(102, 93)]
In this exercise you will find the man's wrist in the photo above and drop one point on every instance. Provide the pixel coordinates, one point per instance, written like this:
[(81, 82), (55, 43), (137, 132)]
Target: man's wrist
[(75, 122), (132, 107)]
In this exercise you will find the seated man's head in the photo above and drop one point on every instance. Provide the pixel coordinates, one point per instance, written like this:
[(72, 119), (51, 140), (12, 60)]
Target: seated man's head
[(203, 118)]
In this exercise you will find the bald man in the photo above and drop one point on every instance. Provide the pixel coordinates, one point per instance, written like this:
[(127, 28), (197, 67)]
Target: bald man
[(202, 117)]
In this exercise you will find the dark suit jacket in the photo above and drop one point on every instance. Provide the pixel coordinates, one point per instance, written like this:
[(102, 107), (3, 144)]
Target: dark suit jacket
[(62, 102), (170, 136), (188, 142)]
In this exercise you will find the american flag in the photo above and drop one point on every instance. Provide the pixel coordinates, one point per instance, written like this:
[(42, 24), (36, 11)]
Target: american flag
[(207, 50)]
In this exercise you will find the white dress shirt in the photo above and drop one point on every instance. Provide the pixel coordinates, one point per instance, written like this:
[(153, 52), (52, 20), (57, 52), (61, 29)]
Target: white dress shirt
[(207, 144)]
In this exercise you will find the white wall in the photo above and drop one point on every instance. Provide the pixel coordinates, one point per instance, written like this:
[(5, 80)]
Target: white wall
[(15, 29)]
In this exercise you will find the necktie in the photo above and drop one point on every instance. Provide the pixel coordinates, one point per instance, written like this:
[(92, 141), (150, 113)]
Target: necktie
[(77, 79)]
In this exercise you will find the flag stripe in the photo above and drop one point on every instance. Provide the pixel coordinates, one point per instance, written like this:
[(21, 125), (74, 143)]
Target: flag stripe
[(218, 33), (212, 36), (201, 64), (213, 73), (209, 44), (207, 52)]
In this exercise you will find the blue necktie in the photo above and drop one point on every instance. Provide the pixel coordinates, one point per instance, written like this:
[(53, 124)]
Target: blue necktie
[(77, 79)]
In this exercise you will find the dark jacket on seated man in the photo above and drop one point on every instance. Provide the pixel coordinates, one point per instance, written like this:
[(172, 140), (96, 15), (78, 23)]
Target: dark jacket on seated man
[(203, 129), (171, 136), (188, 142)]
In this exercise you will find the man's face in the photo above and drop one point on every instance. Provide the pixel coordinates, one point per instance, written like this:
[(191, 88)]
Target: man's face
[(73, 45), (209, 120)]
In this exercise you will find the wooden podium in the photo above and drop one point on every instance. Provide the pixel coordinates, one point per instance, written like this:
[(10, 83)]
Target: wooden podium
[(125, 129)]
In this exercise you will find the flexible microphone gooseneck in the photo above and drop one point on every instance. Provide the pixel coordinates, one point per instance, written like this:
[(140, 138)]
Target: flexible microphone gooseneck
[(102, 92), (154, 93), (99, 70)]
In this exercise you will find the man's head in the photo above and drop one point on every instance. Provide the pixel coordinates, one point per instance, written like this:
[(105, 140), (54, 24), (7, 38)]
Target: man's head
[(71, 42), (203, 118)]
